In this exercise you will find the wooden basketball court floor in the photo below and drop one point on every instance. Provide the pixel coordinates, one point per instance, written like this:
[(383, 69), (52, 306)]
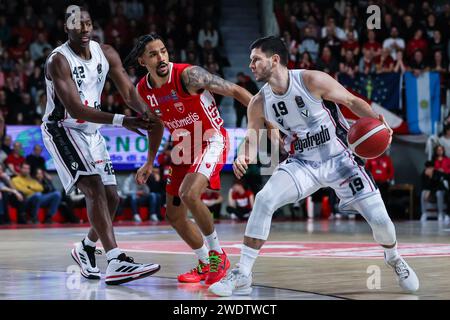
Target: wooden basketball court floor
[(335, 259)]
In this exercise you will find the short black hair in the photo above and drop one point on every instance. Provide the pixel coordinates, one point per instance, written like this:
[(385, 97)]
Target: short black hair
[(139, 48), (272, 45)]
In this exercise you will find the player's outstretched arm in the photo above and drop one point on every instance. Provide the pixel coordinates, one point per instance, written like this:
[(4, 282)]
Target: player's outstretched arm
[(123, 83), (248, 151), (59, 72), (323, 86), (196, 78)]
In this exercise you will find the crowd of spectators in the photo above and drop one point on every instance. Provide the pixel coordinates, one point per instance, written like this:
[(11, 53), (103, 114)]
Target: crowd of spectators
[(29, 30), (412, 36)]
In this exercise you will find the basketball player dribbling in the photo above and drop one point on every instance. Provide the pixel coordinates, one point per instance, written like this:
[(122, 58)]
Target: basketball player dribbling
[(302, 104), (75, 74), (181, 96)]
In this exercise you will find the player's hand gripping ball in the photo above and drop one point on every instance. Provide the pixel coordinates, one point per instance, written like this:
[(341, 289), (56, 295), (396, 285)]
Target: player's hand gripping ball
[(369, 137)]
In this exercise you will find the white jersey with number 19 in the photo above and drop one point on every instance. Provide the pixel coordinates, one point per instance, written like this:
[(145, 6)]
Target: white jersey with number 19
[(315, 129)]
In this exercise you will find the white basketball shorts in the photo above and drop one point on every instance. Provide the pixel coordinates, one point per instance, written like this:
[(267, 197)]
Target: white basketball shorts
[(76, 153), (343, 173)]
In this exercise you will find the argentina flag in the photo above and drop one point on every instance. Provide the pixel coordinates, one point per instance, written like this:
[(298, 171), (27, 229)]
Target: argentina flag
[(423, 102)]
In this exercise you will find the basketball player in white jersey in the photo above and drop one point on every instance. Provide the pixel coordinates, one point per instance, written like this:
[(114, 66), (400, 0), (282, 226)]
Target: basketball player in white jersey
[(75, 75), (302, 103)]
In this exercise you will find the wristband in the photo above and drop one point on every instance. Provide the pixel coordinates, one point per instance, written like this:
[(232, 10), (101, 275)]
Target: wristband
[(118, 120)]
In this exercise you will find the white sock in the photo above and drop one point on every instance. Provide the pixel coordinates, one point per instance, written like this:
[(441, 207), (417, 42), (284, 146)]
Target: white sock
[(213, 242), (248, 258), (391, 252), (202, 254), (113, 254), (88, 242)]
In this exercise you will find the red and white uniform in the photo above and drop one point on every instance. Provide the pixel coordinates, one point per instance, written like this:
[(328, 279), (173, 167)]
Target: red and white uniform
[(242, 199), (200, 140)]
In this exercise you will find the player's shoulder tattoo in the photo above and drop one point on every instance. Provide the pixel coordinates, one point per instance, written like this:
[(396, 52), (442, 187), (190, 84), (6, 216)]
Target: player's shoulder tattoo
[(198, 78)]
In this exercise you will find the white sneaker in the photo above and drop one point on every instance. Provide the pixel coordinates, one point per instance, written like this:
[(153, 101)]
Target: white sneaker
[(406, 277), (154, 217), (446, 218), (233, 216), (234, 283), (84, 256), (124, 269), (137, 218), (423, 217)]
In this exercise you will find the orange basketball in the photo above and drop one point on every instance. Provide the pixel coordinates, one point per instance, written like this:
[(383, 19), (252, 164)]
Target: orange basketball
[(368, 138)]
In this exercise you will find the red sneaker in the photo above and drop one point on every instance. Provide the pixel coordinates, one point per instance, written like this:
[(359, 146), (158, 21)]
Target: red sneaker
[(218, 266), (195, 275)]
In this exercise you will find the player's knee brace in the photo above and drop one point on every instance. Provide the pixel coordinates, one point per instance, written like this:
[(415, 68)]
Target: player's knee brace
[(374, 211), (258, 225)]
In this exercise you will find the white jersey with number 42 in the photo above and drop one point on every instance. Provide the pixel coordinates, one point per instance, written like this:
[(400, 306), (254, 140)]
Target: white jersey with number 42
[(89, 77), (315, 129)]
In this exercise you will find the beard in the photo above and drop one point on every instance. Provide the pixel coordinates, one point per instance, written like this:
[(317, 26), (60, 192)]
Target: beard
[(160, 73), (265, 73)]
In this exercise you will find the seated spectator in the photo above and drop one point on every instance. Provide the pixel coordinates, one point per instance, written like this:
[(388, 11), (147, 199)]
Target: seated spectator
[(157, 194), (305, 61), (309, 43), (38, 46), (213, 200), (15, 159), (434, 187), (49, 193), (440, 160), (418, 43), (246, 82), (372, 44), (439, 64), (331, 28), (332, 42), (418, 64), (36, 160), (437, 43), (32, 190), (7, 192), (366, 62), (6, 145), (399, 65), (208, 32), (382, 171), (394, 43), (240, 201), (349, 66), (351, 43), (137, 195), (327, 63), (384, 62)]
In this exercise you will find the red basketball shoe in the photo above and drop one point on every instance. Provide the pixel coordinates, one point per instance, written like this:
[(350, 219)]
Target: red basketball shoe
[(218, 266), (197, 274)]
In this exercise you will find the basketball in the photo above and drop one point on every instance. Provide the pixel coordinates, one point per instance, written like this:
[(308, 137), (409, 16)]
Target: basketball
[(368, 138)]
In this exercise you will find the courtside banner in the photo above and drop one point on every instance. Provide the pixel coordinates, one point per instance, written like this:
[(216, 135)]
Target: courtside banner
[(128, 150), (422, 102)]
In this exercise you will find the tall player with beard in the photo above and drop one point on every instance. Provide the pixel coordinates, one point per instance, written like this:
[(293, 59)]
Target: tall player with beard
[(181, 96)]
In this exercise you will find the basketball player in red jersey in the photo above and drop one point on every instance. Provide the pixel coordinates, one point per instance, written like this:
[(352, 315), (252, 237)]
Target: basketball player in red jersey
[(181, 96)]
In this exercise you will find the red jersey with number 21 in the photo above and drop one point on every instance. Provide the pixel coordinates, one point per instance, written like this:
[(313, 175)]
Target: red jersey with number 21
[(178, 109)]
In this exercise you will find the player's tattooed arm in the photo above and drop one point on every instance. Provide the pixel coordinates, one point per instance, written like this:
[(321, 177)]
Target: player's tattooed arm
[(196, 79)]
